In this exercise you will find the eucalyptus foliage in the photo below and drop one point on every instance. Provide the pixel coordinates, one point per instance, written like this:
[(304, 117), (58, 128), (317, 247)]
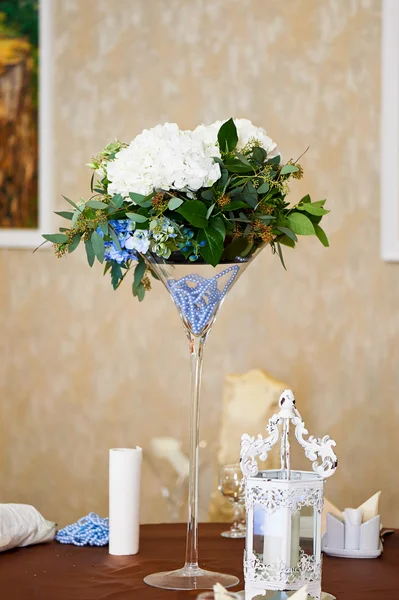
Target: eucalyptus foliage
[(245, 208)]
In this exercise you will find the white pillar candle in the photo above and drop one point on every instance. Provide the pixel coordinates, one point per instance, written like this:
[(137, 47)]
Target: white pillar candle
[(273, 531), (124, 500), (281, 537)]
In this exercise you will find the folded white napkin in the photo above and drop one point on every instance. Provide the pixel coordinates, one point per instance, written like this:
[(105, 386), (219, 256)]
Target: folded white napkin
[(369, 510), (23, 525)]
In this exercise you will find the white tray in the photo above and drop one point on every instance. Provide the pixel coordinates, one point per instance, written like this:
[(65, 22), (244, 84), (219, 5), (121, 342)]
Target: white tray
[(352, 553)]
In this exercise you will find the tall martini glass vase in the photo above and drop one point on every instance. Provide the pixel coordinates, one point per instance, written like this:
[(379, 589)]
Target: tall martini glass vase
[(198, 291)]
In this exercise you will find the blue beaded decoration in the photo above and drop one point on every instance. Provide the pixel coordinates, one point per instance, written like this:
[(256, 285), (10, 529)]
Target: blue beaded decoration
[(198, 297), (91, 530)]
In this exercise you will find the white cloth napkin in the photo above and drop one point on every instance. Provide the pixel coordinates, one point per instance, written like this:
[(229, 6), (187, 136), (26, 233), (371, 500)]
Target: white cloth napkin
[(23, 525)]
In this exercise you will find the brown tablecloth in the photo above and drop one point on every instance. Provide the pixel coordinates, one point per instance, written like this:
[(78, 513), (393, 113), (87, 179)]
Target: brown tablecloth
[(63, 572)]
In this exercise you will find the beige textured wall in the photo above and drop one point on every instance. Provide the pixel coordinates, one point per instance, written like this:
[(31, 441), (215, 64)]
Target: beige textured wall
[(83, 369)]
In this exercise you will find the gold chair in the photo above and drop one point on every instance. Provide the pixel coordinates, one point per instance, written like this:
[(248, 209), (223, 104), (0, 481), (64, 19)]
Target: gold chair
[(248, 399)]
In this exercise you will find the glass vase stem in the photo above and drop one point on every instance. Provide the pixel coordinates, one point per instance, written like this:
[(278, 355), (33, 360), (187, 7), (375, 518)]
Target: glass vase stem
[(196, 344)]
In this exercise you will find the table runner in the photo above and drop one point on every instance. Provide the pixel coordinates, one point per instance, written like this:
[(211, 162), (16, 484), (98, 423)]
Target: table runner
[(63, 572)]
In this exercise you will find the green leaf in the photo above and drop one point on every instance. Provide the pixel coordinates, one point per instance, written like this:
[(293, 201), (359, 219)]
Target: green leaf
[(266, 218), (174, 203), (300, 224), (275, 160), (280, 253), (75, 217), (288, 233), (138, 274), (207, 195), (65, 214), (213, 250), (235, 205), (321, 235), (144, 201), (210, 210), (259, 154), (73, 204), (89, 252), (155, 276), (250, 195), (56, 238), (235, 248), (194, 211), (74, 242), (98, 246), (318, 211), (283, 239), (114, 238), (227, 137), (136, 197), (288, 169), (314, 218), (139, 292), (282, 221), (247, 249), (136, 217), (223, 182), (218, 224), (116, 274), (236, 166), (264, 188), (104, 228), (305, 199), (117, 200), (243, 159), (235, 191), (96, 204)]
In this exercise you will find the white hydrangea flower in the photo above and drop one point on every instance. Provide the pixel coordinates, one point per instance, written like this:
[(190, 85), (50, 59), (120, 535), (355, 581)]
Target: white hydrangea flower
[(162, 158), (138, 241), (208, 134), (245, 130)]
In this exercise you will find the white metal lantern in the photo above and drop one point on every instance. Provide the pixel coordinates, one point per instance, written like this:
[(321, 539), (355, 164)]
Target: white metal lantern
[(283, 540)]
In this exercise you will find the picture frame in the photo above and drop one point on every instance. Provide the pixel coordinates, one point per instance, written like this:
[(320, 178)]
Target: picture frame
[(31, 237), (390, 131)]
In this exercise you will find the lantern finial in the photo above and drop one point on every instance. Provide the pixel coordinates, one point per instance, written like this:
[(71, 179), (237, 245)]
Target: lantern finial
[(318, 450)]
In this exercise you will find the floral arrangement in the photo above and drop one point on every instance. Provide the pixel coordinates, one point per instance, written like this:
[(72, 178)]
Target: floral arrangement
[(215, 194)]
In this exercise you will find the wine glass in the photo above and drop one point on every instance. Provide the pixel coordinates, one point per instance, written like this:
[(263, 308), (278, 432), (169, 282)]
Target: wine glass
[(230, 478)]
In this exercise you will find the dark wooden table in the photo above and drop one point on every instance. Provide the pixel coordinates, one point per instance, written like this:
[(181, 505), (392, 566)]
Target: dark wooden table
[(57, 572)]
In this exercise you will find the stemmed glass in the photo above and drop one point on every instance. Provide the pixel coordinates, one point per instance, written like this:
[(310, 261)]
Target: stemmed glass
[(230, 478), (198, 290)]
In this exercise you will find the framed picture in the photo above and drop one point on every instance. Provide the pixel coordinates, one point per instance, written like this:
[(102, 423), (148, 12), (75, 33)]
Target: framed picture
[(390, 131), (25, 122)]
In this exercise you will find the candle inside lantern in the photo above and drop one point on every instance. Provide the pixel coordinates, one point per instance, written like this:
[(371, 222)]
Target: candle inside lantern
[(281, 537)]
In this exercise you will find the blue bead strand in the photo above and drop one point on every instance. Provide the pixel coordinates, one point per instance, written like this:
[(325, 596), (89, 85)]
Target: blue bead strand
[(91, 530), (198, 297)]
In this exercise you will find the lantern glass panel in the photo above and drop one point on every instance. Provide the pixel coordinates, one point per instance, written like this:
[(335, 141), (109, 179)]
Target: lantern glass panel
[(270, 540), (307, 531)]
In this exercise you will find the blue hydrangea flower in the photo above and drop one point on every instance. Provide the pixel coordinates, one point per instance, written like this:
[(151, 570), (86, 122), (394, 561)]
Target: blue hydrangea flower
[(124, 230)]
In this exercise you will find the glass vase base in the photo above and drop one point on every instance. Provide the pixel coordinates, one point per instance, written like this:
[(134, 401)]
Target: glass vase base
[(233, 534), (190, 578), (277, 596)]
